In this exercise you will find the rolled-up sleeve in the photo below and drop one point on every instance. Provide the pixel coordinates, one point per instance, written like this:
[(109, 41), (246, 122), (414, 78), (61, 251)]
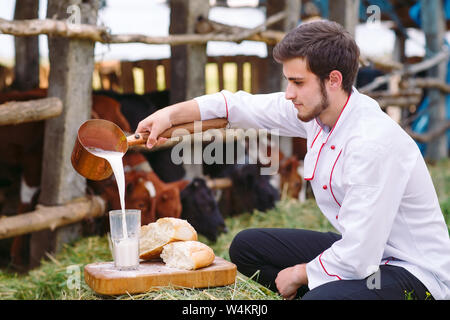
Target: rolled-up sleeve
[(259, 111), (374, 180)]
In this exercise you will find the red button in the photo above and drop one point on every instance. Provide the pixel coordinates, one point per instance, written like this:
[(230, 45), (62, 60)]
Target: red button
[(325, 187), (332, 147), (336, 216)]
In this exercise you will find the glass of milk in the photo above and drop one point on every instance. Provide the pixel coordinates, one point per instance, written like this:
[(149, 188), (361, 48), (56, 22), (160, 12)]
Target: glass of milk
[(125, 226)]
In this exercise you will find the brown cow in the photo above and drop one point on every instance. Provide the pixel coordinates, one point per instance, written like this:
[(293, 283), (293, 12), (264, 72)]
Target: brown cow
[(290, 180)]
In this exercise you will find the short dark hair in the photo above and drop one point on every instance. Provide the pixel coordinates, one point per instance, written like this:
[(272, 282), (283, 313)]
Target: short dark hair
[(326, 46)]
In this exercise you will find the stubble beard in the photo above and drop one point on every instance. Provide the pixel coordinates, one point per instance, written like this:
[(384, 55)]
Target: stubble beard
[(318, 108)]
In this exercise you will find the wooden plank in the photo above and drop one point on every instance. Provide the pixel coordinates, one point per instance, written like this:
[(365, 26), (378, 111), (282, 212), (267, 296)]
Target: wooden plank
[(103, 278), (220, 62), (166, 65), (240, 73), (126, 76), (149, 68), (45, 217), (29, 111)]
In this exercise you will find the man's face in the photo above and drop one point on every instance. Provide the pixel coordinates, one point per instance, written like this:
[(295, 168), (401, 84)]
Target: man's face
[(304, 89)]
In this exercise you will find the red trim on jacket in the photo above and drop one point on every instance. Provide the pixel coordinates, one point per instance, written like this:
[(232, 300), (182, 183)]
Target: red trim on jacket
[(346, 102), (317, 159), (226, 104), (331, 275), (316, 137), (331, 175)]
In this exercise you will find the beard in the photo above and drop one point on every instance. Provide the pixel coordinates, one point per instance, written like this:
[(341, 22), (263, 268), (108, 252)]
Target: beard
[(319, 107)]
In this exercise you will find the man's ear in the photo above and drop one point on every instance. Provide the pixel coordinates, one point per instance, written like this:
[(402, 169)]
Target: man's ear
[(335, 79)]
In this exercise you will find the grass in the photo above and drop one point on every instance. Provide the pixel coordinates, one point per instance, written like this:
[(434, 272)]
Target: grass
[(61, 276), (53, 279)]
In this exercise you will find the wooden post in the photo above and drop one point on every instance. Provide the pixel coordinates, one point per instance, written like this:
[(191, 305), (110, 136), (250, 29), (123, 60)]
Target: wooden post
[(126, 76), (71, 69), (26, 68), (187, 61), (432, 14), (292, 9), (272, 75), (345, 12)]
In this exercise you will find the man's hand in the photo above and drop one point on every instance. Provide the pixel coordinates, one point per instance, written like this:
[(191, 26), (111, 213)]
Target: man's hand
[(290, 279), (161, 120), (156, 123)]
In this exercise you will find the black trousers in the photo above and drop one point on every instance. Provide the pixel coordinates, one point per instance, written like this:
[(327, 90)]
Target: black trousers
[(264, 252)]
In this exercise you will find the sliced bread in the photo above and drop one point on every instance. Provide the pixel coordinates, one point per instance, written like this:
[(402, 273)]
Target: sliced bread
[(154, 236), (188, 255)]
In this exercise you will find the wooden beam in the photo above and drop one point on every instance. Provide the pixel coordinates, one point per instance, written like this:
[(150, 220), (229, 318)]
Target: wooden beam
[(426, 83), (52, 217), (219, 183), (51, 27), (428, 137), (433, 25), (28, 111), (407, 71), (346, 13)]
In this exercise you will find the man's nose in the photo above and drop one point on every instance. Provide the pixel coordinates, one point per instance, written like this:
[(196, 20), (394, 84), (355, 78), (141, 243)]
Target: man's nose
[(290, 92)]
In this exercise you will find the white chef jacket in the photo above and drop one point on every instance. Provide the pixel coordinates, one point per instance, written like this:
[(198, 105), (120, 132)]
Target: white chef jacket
[(369, 179)]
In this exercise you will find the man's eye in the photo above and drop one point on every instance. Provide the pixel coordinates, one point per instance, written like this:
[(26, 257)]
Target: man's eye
[(298, 83)]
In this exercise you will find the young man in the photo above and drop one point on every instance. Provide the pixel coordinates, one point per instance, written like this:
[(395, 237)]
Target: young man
[(368, 177)]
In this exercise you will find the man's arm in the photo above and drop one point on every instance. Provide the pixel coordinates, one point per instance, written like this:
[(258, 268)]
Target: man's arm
[(161, 120), (242, 110)]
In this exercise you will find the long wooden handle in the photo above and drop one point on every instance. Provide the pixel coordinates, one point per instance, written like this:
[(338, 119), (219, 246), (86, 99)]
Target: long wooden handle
[(141, 138)]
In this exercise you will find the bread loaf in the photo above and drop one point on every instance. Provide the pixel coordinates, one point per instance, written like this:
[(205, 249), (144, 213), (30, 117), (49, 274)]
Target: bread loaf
[(188, 255), (154, 236)]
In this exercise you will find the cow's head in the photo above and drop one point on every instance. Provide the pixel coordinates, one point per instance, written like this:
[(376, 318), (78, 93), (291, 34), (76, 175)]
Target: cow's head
[(251, 190), (290, 179), (140, 195), (200, 209), (145, 190)]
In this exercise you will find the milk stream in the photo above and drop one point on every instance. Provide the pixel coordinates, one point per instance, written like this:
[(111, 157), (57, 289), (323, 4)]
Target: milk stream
[(115, 160)]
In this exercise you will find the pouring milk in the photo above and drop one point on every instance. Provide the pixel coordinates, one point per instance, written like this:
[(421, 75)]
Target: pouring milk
[(124, 249)]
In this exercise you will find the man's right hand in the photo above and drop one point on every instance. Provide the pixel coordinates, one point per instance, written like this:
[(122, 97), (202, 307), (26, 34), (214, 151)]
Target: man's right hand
[(161, 120), (155, 124)]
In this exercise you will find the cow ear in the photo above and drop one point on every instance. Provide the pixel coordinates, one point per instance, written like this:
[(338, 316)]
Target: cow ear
[(180, 184)]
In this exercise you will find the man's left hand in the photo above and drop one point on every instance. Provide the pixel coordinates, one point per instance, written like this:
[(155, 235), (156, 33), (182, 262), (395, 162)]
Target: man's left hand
[(290, 279)]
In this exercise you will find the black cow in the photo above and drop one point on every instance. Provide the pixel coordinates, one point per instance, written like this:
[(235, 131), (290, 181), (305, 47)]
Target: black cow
[(368, 74), (200, 209), (250, 190)]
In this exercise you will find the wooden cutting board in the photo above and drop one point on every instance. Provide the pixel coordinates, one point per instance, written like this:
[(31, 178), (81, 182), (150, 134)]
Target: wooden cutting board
[(103, 278)]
